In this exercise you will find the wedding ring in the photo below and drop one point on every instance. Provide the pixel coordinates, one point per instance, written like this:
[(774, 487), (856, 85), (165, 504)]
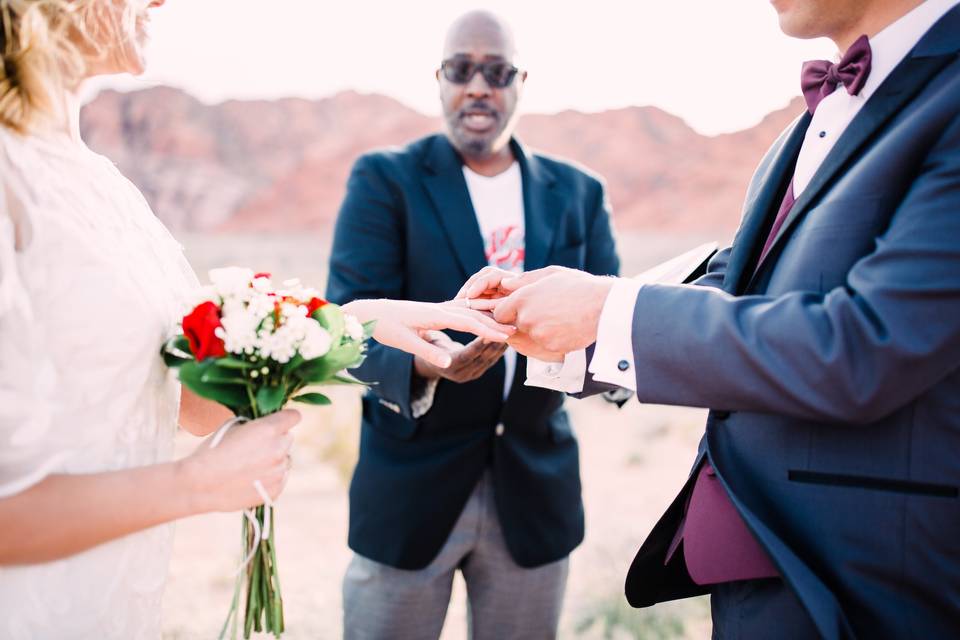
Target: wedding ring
[(466, 302)]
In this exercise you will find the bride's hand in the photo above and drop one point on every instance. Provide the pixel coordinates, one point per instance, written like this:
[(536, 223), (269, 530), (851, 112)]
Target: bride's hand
[(400, 324), (222, 478)]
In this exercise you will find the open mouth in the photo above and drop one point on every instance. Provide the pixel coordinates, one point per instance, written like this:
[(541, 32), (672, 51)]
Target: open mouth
[(478, 121)]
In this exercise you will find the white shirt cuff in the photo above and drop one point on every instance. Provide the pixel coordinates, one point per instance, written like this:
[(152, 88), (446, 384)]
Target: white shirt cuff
[(420, 405), (613, 355), (566, 377)]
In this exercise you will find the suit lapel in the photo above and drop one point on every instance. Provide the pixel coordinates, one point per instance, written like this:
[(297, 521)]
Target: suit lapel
[(764, 203), (900, 87), (447, 187), (543, 207)]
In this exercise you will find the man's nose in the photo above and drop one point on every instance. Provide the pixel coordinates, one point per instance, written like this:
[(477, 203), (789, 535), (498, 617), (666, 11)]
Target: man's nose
[(477, 87)]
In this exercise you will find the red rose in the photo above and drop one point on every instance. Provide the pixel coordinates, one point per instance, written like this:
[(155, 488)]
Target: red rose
[(199, 328), (314, 304)]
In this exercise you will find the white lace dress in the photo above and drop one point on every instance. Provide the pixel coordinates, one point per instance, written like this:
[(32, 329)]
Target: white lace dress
[(91, 284)]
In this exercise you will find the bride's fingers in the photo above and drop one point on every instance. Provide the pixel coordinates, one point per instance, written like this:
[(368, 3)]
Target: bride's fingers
[(484, 304), (412, 343), (474, 322)]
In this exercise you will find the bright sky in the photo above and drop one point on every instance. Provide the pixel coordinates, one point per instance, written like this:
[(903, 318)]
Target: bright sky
[(719, 64)]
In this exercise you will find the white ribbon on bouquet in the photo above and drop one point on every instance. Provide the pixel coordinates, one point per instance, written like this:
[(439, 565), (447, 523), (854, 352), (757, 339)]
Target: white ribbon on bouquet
[(259, 535)]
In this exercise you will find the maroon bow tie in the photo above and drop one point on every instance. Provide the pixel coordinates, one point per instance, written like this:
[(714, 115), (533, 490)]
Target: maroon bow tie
[(820, 78)]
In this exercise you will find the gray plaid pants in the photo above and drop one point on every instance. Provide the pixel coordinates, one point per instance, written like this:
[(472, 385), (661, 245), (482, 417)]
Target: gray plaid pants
[(506, 602)]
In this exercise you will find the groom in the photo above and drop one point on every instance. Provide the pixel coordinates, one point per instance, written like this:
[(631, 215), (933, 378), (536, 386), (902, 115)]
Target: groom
[(463, 469), (826, 341)]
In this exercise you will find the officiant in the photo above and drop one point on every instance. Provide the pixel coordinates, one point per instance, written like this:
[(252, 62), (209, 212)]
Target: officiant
[(463, 468)]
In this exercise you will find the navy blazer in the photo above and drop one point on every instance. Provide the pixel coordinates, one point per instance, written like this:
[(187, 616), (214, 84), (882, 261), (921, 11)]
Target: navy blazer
[(407, 230), (833, 369)]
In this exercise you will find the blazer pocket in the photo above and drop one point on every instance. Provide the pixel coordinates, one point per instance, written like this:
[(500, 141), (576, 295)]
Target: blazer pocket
[(874, 483), (383, 419)]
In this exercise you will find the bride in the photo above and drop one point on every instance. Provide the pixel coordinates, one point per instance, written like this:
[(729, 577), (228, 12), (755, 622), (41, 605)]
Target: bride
[(90, 286)]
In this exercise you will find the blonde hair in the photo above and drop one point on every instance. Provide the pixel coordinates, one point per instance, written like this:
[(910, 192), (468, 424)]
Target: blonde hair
[(45, 48)]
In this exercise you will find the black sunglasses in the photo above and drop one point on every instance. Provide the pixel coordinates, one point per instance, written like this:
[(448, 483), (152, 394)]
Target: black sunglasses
[(497, 73)]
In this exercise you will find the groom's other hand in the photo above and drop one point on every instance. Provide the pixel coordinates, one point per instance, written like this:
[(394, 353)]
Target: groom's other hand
[(468, 362), (527, 346), (486, 283), (559, 311)]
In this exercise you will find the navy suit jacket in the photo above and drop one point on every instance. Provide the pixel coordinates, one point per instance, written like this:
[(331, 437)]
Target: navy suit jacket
[(407, 230), (833, 369)]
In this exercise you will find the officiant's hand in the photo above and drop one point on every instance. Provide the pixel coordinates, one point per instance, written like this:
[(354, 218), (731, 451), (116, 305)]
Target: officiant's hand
[(557, 308), (402, 324), (467, 362)]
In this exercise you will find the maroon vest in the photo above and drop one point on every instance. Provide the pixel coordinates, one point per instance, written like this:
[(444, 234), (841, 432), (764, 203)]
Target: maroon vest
[(717, 545)]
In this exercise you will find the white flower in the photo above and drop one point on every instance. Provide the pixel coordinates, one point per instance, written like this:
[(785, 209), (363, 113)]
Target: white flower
[(240, 329), (231, 281), (353, 327), (290, 310), (262, 284), (316, 342), (261, 305)]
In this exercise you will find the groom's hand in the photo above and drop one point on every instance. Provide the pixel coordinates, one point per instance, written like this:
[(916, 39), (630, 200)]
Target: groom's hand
[(468, 362), (558, 311), (486, 283), (526, 346)]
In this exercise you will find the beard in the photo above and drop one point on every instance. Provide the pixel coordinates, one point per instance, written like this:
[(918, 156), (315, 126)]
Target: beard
[(474, 144)]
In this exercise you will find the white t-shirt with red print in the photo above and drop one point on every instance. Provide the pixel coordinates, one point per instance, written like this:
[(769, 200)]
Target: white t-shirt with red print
[(498, 203)]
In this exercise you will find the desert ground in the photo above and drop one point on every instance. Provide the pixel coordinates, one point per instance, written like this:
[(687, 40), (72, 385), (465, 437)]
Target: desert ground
[(633, 460)]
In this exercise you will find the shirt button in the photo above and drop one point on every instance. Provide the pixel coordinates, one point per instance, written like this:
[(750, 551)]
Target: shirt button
[(500, 429), (823, 134), (623, 365)]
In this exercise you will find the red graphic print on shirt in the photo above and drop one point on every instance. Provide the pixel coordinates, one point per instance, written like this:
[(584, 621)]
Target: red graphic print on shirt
[(505, 248)]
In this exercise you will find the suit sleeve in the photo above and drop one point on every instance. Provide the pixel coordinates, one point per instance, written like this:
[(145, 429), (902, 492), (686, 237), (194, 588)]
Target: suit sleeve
[(839, 356), (367, 262), (716, 270), (602, 258)]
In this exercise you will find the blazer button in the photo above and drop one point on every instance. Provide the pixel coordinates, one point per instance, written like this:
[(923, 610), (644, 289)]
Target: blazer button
[(500, 429), (623, 365)]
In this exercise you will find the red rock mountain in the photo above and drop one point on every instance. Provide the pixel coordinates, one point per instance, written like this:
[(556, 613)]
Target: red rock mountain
[(282, 165)]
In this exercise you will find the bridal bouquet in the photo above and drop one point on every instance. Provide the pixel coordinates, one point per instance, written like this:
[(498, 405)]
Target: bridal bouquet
[(252, 347)]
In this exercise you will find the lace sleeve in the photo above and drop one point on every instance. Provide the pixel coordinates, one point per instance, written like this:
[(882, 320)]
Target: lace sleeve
[(27, 378)]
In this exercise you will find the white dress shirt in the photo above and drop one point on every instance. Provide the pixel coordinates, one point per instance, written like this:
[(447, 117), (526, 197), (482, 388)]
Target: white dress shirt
[(498, 204), (613, 356)]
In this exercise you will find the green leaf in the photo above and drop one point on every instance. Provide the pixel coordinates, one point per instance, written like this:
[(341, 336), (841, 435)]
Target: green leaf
[(176, 351), (319, 370), (230, 362), (231, 396), (312, 398), (270, 399), (346, 356), (330, 318), (344, 380), (295, 362), (216, 372), (368, 329)]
